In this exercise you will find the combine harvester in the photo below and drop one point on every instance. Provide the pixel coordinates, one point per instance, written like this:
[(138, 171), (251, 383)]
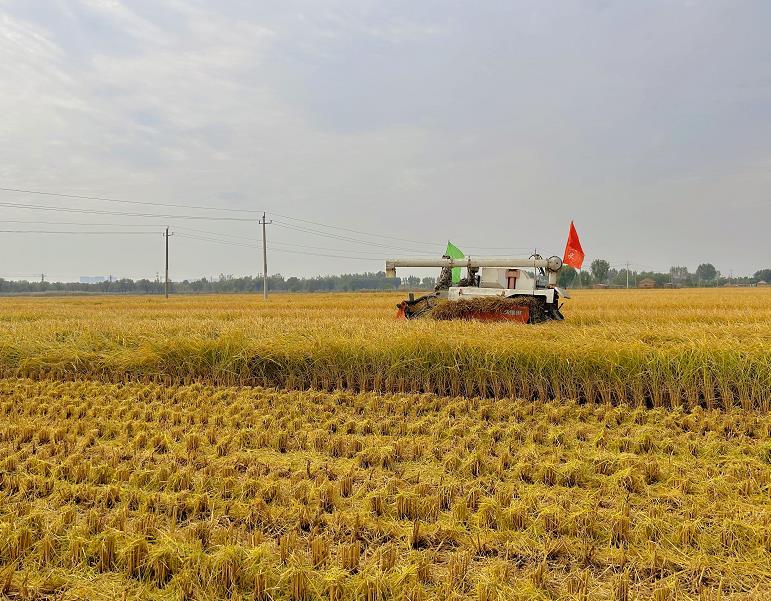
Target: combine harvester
[(494, 289)]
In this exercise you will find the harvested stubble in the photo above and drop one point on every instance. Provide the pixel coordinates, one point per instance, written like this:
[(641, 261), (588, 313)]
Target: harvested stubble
[(662, 348), (194, 492)]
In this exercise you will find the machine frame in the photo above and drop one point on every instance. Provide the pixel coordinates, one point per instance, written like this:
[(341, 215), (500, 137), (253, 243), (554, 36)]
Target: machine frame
[(491, 277)]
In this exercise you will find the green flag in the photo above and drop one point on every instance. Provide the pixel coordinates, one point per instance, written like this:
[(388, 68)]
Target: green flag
[(454, 253)]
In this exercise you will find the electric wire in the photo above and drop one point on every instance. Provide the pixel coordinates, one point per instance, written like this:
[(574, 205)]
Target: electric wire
[(231, 210), (310, 254), (277, 245), (120, 213), (208, 232), (218, 237), (196, 217), (345, 229), (336, 236), (202, 207), (207, 239), (280, 250), (223, 236), (425, 242), (134, 202), (190, 229), (89, 223), (78, 232)]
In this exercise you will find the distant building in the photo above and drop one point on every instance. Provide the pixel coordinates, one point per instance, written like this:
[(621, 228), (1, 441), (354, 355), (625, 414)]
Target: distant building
[(646, 283), (92, 279), (762, 284), (600, 286)]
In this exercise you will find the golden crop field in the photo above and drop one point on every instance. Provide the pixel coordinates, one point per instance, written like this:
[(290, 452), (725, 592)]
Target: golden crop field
[(669, 348), (197, 492), (312, 448)]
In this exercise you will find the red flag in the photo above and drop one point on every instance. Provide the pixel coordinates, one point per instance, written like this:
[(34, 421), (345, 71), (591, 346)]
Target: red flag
[(574, 254)]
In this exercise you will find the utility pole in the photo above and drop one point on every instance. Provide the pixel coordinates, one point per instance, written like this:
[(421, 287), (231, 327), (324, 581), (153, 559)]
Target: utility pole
[(166, 283), (264, 222), (627, 275), (42, 278)]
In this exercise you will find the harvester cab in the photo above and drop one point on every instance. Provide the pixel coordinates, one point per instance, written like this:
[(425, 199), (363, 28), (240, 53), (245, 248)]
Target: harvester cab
[(494, 289)]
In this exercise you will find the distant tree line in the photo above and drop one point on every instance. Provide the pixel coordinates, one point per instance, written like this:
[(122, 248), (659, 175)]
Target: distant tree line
[(705, 275), (600, 272), (226, 283)]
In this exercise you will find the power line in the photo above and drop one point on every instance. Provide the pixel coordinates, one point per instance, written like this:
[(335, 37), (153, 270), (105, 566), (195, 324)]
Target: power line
[(310, 254), (424, 242), (335, 236), (371, 253), (208, 208), (121, 213), (206, 239), (284, 250), (225, 239), (190, 229), (218, 238), (78, 232), (133, 202), (279, 250), (230, 210), (345, 229), (94, 224), (376, 244)]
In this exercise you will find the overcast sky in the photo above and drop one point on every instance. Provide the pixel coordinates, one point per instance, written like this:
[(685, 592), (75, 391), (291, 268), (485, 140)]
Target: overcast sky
[(492, 124)]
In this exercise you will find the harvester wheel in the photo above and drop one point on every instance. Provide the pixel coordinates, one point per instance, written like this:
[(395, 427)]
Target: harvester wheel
[(413, 308), (555, 313), (539, 310)]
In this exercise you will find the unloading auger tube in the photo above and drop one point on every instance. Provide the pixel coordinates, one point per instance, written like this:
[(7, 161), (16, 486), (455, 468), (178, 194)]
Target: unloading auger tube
[(552, 264), (490, 278)]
